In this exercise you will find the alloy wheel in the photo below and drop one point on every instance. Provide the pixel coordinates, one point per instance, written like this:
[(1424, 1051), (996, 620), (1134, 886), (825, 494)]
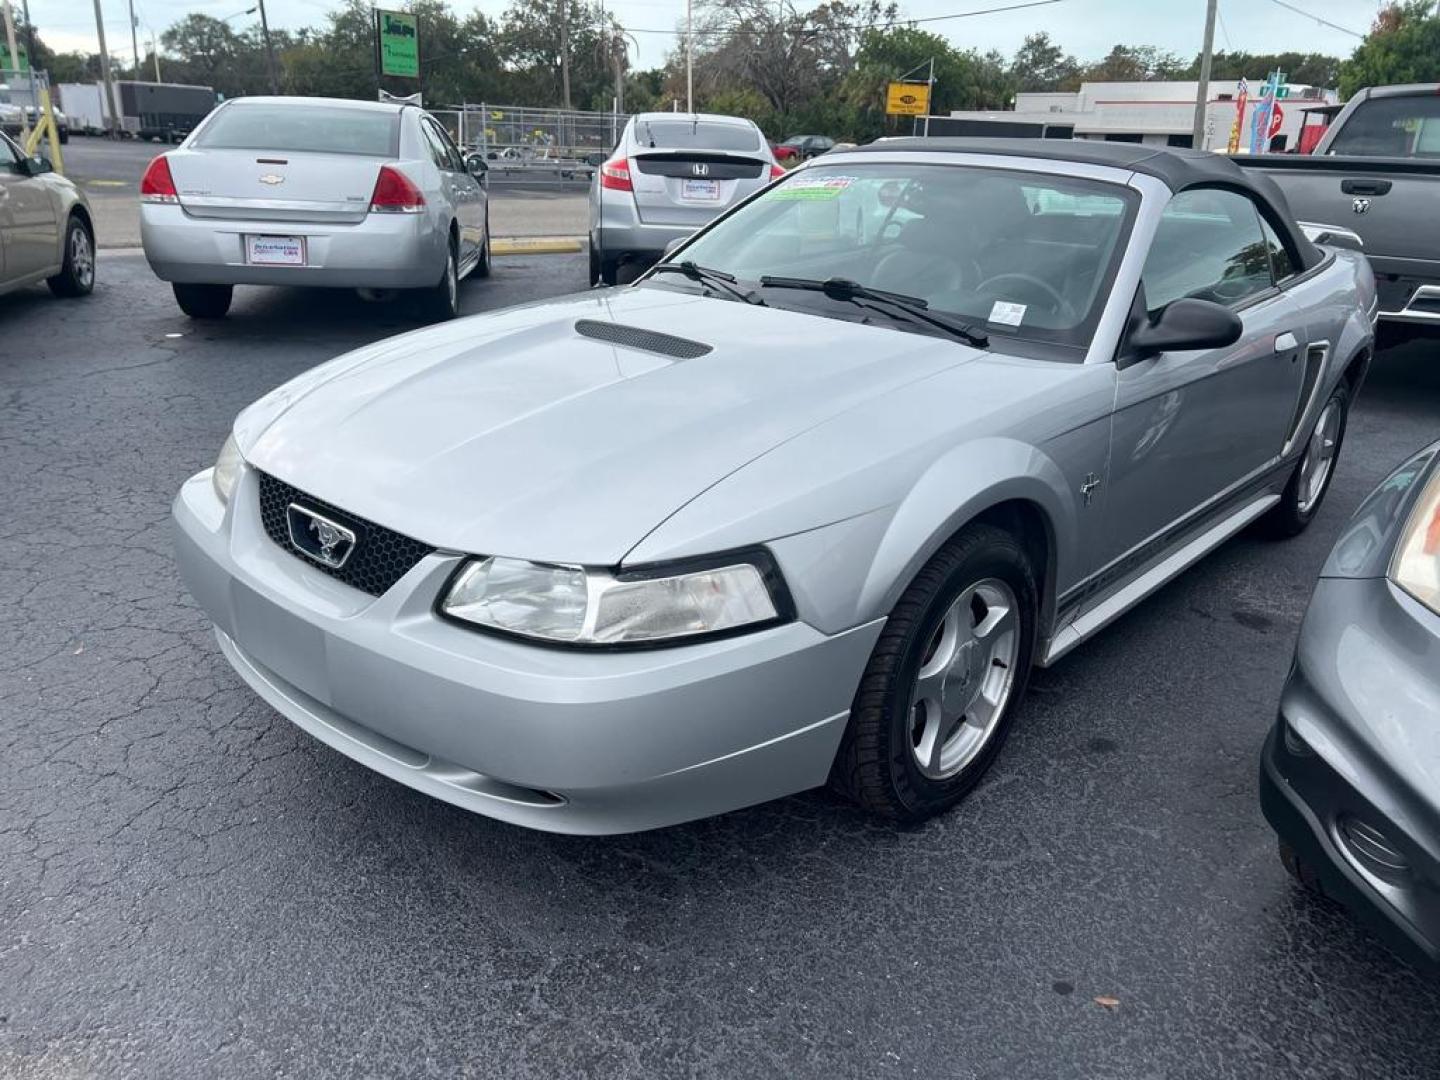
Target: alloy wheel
[(82, 257), (965, 679), (1319, 460)]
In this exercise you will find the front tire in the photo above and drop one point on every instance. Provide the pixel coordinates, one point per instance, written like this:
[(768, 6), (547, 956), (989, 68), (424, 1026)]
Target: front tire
[(1310, 481), (77, 272), (944, 681), (203, 301), (483, 267)]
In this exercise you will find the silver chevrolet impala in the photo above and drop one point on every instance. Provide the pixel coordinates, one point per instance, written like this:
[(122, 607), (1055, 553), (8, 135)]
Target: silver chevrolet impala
[(315, 192), (806, 503)]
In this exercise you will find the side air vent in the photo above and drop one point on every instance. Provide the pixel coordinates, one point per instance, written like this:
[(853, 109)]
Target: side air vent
[(632, 337), (1315, 357)]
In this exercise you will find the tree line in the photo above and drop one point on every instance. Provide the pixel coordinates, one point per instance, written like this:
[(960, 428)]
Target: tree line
[(822, 69)]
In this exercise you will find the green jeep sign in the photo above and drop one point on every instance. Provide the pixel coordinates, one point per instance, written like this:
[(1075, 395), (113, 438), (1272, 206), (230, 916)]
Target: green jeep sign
[(399, 41)]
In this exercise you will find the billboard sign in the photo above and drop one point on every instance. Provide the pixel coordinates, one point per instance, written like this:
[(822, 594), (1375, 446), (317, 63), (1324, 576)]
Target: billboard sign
[(397, 37), (907, 99)]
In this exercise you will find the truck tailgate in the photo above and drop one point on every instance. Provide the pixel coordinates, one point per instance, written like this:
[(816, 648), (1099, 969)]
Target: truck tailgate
[(1392, 203)]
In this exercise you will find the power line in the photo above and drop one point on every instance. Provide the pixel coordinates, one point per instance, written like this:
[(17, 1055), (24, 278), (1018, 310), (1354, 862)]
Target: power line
[(862, 26), (1318, 19)]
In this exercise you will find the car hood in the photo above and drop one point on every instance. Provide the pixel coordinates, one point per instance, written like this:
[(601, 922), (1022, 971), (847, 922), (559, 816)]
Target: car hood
[(545, 432)]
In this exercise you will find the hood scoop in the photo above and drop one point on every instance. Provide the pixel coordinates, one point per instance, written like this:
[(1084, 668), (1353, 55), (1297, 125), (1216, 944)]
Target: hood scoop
[(633, 337)]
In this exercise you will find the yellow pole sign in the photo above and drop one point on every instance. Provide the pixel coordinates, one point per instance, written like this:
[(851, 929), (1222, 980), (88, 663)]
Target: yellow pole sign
[(907, 99)]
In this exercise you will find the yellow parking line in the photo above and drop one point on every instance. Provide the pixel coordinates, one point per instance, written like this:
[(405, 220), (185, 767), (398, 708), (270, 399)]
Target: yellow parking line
[(536, 245), (106, 183)]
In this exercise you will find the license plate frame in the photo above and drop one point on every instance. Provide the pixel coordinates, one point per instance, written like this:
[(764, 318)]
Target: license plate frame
[(270, 250), (700, 190)]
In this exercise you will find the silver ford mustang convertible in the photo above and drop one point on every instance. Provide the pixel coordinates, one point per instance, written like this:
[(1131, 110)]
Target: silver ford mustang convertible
[(804, 503)]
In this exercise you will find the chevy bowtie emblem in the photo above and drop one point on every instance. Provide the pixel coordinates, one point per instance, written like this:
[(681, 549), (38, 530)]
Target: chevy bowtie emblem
[(317, 537), (272, 179)]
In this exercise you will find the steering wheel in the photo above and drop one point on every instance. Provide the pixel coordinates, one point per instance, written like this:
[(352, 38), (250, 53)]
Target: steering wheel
[(1058, 304)]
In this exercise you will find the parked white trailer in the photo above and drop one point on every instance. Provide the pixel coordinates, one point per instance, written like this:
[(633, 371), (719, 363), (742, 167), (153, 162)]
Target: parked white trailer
[(84, 104)]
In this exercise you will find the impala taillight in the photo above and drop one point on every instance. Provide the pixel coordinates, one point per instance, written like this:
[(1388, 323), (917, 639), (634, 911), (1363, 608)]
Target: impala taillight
[(615, 175), (157, 185), (395, 193)]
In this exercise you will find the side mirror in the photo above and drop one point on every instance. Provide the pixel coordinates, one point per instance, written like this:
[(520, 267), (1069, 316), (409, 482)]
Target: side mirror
[(475, 165), (1186, 324), (671, 245), (39, 165)]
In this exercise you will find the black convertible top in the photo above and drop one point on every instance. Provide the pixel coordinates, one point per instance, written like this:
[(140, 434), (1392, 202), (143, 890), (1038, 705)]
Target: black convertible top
[(1176, 168)]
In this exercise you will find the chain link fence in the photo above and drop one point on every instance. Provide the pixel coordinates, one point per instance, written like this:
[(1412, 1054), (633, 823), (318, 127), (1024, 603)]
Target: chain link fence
[(529, 145)]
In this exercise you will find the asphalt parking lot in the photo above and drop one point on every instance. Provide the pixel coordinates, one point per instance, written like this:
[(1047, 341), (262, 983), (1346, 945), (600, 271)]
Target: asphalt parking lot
[(190, 887)]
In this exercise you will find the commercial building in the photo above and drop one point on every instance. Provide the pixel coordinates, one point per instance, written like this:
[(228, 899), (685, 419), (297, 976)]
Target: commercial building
[(1154, 113)]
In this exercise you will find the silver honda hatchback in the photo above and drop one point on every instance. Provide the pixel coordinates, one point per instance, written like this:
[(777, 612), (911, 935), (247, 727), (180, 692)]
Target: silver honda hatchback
[(670, 174)]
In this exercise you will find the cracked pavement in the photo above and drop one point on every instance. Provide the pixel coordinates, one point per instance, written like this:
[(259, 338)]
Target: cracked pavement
[(189, 886)]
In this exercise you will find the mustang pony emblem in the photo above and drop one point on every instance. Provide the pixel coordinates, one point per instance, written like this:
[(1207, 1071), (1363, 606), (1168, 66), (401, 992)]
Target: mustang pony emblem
[(317, 537), (272, 179)]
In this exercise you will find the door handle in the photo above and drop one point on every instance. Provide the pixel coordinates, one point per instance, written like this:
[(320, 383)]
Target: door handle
[(1365, 187), (1286, 342)]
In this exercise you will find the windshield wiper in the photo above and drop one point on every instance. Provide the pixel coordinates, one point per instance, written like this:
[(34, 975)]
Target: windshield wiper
[(718, 279), (912, 307)]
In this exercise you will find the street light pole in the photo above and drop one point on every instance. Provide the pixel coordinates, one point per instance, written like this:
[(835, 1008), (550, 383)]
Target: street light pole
[(269, 50), (111, 123), (689, 56), (1202, 92), (134, 41)]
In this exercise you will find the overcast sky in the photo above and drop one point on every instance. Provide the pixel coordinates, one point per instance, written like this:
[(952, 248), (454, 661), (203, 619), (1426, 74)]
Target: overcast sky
[(1087, 28)]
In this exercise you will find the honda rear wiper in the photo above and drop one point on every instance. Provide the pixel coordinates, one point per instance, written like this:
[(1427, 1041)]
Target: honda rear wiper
[(718, 279), (912, 307)]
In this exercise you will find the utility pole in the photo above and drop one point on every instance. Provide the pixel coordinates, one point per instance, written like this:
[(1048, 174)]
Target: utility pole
[(134, 42), (689, 56), (111, 122), (1202, 92), (269, 50), (155, 55), (564, 56)]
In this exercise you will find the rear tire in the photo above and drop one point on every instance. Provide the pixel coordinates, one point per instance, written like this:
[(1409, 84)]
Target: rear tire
[(607, 269), (1314, 472), (203, 301), (77, 273), (441, 301), (909, 753), (483, 267), (1302, 872)]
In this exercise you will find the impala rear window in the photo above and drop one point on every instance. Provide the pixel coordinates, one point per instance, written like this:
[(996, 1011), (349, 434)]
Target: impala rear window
[(295, 129), (696, 135)]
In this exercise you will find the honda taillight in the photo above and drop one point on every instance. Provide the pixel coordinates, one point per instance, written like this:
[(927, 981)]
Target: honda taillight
[(776, 171), (615, 175), (395, 193), (157, 185)]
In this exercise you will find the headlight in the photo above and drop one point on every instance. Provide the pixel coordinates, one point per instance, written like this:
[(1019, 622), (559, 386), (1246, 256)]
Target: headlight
[(1416, 566), (582, 606), (227, 470)]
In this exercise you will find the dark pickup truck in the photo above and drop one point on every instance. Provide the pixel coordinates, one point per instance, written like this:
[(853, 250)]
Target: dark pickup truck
[(1376, 175)]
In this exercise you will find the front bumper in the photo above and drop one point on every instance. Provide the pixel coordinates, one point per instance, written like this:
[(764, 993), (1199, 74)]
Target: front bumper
[(1350, 760), (382, 251), (562, 740)]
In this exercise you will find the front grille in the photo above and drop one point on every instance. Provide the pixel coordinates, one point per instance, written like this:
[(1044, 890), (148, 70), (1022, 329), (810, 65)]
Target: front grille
[(381, 556)]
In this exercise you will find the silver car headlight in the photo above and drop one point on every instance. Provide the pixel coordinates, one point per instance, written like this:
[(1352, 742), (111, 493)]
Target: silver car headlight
[(227, 469), (576, 605), (1416, 565)]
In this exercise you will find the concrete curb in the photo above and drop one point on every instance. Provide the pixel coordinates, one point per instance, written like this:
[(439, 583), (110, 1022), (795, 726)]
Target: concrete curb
[(500, 245), (537, 245)]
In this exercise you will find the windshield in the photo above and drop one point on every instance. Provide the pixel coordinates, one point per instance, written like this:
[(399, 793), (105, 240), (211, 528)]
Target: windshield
[(325, 129), (1391, 127), (695, 135), (1025, 255)]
